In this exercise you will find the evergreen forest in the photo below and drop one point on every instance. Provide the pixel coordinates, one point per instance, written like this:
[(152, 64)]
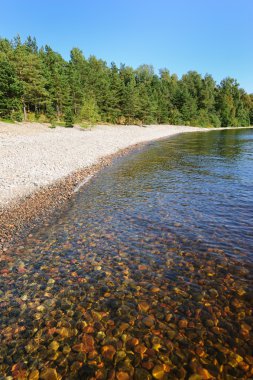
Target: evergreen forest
[(37, 84)]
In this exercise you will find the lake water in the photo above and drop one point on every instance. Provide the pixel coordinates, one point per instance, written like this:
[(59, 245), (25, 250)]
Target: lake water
[(148, 274)]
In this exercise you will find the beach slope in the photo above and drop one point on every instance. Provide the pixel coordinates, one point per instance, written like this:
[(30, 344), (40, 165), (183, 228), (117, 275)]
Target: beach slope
[(41, 167)]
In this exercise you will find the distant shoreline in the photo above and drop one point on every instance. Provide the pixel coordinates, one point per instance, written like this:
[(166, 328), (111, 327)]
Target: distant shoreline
[(41, 168)]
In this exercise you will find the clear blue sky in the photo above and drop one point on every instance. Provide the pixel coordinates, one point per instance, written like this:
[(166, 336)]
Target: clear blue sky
[(210, 36)]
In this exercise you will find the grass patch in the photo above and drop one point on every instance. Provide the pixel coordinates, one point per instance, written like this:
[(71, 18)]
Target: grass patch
[(7, 120)]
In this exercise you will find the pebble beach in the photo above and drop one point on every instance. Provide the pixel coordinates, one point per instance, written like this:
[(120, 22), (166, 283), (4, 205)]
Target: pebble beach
[(41, 167)]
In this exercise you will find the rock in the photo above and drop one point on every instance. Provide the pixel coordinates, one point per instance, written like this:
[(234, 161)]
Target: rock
[(158, 372), (66, 350), (236, 303), (141, 374), (205, 375), (140, 349), (65, 332), (50, 374), (183, 323), (148, 321), (122, 375), (79, 347), (133, 342), (143, 306), (54, 345), (213, 293), (88, 342), (108, 352), (142, 267), (41, 308), (195, 376), (34, 375), (100, 336), (120, 355)]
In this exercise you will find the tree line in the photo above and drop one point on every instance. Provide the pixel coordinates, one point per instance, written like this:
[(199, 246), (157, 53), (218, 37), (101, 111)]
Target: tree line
[(37, 84)]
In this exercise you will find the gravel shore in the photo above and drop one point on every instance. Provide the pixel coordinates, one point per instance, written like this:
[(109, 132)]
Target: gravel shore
[(36, 162)]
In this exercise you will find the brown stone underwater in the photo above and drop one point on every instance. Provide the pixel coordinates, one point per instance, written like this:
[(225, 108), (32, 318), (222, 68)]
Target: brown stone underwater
[(148, 274)]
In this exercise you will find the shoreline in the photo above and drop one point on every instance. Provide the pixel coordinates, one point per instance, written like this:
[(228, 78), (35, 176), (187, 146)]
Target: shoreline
[(22, 214)]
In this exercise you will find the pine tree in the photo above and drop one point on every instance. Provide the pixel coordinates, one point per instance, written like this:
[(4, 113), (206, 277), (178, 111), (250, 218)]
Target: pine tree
[(10, 91), (29, 70), (69, 118), (56, 74), (130, 95), (44, 85)]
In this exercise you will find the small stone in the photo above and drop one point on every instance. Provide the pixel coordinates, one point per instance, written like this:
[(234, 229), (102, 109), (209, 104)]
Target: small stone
[(141, 374), (142, 267), (241, 291), (245, 328), (244, 366), (249, 359), (66, 350), (123, 327), (79, 347), (140, 349), (34, 375), (100, 335), (75, 366), (41, 308), (205, 375), (158, 372), (148, 365), (54, 345), (65, 332), (37, 316), (237, 303), (143, 306), (108, 352), (213, 293), (88, 342), (171, 334), (183, 323), (120, 355), (50, 374), (133, 342), (209, 323), (122, 376), (148, 321), (168, 317)]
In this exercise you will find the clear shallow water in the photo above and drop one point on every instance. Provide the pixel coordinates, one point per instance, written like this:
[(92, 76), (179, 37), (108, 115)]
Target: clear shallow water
[(147, 275)]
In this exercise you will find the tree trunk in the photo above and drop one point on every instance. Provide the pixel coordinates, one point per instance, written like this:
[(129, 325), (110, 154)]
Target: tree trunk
[(24, 110), (58, 112)]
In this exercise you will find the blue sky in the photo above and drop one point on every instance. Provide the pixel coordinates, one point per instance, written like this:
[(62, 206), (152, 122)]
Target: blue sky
[(210, 36)]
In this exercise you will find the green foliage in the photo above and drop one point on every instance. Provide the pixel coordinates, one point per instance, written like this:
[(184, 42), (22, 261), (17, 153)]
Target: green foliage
[(69, 118), (17, 116), (50, 114), (89, 112), (31, 117), (10, 89), (37, 84)]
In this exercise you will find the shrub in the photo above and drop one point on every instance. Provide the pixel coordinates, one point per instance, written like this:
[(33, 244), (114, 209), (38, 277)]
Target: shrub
[(68, 118)]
